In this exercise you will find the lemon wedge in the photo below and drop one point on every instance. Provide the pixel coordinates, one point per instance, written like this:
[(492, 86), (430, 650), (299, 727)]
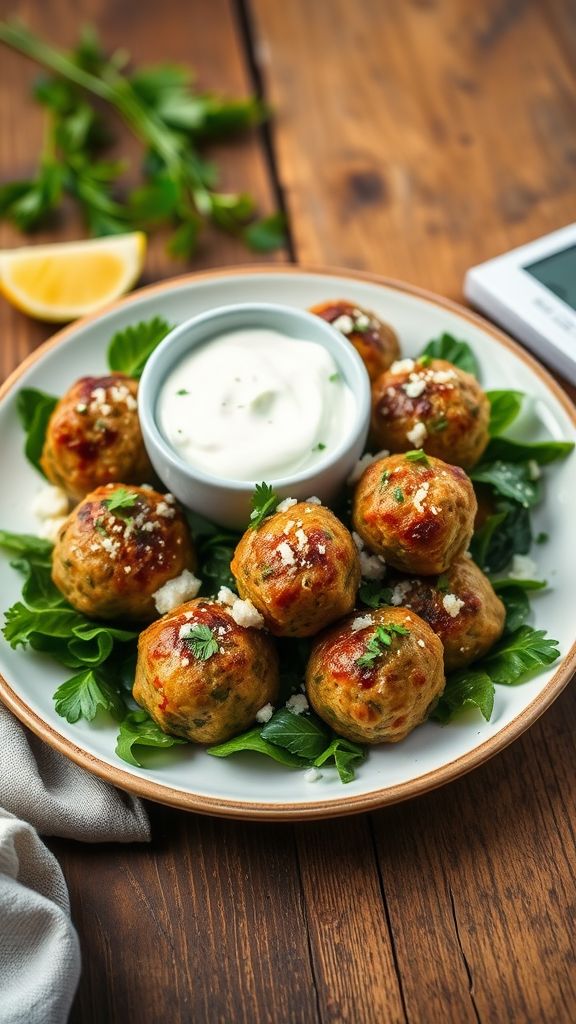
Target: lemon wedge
[(67, 280)]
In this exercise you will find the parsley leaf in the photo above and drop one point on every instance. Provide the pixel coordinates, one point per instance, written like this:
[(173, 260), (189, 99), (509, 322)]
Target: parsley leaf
[(373, 594), (202, 642), (131, 347), (83, 694), (456, 352), (137, 729), (417, 455), (504, 408), (520, 654), (120, 501), (398, 495), (378, 642), (264, 502), (35, 409)]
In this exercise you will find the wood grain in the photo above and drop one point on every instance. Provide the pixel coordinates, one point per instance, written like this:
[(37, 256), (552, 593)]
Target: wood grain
[(415, 139)]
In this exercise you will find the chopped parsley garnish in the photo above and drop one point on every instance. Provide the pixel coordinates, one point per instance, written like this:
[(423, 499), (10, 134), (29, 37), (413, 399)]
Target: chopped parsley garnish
[(100, 528), (121, 501), (418, 455), (183, 391), (335, 377), (264, 502), (385, 477), (319, 447), (378, 643), (398, 495), (542, 537), (439, 425), (202, 642), (443, 583), (424, 360)]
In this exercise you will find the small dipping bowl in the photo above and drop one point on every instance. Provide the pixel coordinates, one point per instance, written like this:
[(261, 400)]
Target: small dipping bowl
[(228, 502)]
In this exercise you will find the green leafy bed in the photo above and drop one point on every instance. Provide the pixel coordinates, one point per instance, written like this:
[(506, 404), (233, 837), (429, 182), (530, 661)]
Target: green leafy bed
[(101, 656)]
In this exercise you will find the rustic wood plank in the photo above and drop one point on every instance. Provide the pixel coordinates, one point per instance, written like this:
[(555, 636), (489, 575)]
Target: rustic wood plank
[(416, 139), (205, 925), (208, 40)]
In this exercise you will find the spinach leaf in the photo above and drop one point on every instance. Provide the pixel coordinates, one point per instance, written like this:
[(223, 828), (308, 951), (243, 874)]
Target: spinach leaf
[(471, 687), (373, 594), (131, 347), (137, 729), (215, 554), (345, 754), (252, 740), (304, 735), (510, 583), (35, 409), (541, 452), (34, 549), (511, 479), (517, 607), (457, 352), (504, 534), (504, 408), (83, 694), (519, 654)]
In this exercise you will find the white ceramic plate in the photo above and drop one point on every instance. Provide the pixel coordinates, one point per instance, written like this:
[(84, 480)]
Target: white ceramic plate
[(247, 785)]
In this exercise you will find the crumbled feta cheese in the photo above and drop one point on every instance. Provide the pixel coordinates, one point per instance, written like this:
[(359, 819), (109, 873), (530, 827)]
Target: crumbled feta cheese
[(362, 321), (321, 549), (226, 596), (184, 662), (265, 714), (286, 553), (533, 469), (98, 395), (363, 463), (131, 402), (105, 409), (421, 643), (523, 568), (297, 704), (312, 774), (442, 376), (452, 604), (402, 366), (372, 567), (49, 503), (361, 622), (343, 323), (127, 569), (418, 434), (313, 500), (165, 510), (245, 614), (400, 591), (414, 388), (420, 496), (110, 546), (81, 408), (286, 504), (288, 526), (357, 540), (50, 528), (302, 539), (182, 588)]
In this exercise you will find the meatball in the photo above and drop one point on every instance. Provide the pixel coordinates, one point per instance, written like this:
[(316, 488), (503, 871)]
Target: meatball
[(415, 511), (374, 677), (375, 342), (300, 569), (431, 404), (201, 676), (460, 606), (94, 437), (117, 548)]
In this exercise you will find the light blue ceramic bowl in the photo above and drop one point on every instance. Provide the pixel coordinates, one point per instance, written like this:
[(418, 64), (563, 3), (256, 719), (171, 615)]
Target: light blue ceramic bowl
[(228, 502)]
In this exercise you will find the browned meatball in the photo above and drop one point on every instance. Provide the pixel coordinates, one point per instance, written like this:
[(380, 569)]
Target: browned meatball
[(201, 676), (300, 569), (117, 548), (431, 405), (460, 606), (375, 676), (376, 342), (419, 515), (94, 437)]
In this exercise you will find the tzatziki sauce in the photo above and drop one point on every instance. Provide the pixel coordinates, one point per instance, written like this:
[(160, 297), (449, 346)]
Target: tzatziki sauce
[(255, 404)]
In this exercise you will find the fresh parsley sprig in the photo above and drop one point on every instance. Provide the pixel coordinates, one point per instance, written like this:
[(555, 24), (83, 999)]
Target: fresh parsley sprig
[(378, 643), (264, 502), (202, 642), (121, 502)]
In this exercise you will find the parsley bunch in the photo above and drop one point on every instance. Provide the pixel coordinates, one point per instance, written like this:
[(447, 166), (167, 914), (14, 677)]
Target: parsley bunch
[(166, 113)]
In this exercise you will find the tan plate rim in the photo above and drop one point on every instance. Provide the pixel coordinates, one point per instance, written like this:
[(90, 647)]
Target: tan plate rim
[(316, 809)]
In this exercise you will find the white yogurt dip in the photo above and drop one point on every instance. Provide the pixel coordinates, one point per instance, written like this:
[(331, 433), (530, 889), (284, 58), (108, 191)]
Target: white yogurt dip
[(256, 405)]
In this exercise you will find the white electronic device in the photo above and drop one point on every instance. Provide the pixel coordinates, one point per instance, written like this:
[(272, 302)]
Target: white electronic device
[(531, 292)]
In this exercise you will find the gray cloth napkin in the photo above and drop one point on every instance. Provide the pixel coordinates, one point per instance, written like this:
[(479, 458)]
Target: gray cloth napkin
[(41, 790)]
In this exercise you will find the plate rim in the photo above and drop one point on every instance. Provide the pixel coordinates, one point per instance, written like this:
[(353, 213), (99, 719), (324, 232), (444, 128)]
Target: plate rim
[(316, 809)]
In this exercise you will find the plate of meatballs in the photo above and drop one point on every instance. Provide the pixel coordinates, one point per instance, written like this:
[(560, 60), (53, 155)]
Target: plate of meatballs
[(322, 637)]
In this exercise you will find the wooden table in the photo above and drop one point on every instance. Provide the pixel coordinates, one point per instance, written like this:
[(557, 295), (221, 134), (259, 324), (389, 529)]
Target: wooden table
[(411, 139)]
